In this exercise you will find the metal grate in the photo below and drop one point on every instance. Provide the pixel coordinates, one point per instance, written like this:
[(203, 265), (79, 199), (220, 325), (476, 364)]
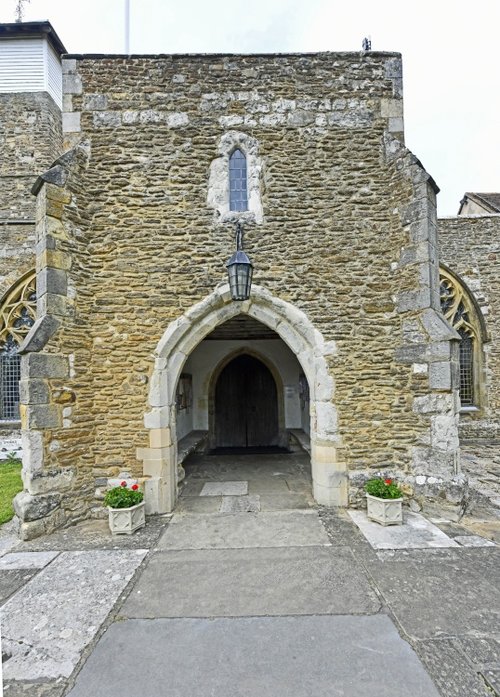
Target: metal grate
[(238, 197), (466, 370), (10, 374)]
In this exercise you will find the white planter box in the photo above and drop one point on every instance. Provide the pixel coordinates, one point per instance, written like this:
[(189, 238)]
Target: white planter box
[(125, 521), (384, 511)]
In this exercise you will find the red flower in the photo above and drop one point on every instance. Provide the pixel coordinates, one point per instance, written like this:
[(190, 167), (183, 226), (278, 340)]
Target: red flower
[(388, 481), (134, 487), (124, 483)]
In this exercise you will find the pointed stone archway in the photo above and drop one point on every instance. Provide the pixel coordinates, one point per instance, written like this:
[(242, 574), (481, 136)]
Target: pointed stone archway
[(184, 334)]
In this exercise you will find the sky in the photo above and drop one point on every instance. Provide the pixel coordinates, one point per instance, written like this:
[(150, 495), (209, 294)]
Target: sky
[(450, 58)]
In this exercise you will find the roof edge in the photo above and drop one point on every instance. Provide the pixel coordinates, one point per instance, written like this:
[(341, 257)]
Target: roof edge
[(31, 29)]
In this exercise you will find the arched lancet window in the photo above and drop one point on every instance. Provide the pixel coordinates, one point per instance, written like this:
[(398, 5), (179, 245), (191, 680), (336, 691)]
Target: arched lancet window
[(238, 194), (17, 315), (460, 312)]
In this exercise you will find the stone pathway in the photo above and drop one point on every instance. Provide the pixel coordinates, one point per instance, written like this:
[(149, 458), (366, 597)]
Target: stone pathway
[(270, 598)]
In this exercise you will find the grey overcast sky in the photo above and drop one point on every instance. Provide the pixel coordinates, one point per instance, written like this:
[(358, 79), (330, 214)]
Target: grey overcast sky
[(450, 58)]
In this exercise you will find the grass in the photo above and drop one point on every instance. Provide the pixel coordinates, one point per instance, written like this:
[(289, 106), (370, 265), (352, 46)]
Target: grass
[(10, 485)]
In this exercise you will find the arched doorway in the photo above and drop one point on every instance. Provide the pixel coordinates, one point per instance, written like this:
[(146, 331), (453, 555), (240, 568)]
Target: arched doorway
[(246, 405), (329, 472)]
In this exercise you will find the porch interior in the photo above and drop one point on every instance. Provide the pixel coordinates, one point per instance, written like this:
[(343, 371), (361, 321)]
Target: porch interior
[(238, 483)]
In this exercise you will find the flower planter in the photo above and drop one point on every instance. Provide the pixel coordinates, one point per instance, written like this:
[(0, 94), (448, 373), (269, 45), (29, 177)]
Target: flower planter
[(125, 521), (384, 511)]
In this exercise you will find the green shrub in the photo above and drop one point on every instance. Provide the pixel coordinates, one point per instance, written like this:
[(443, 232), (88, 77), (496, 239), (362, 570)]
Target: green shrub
[(123, 497), (10, 485), (383, 488)]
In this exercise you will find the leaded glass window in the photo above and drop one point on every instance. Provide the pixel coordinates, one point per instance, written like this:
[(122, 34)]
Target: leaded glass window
[(458, 310), (17, 315), (238, 195)]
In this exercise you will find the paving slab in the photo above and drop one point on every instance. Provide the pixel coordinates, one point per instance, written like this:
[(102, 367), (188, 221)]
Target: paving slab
[(473, 541), (26, 560), (480, 650), (277, 529), (198, 504), (53, 688), (450, 670), (282, 502), (96, 535), (442, 594), (48, 623), (12, 580), (492, 678), (416, 532), (239, 582), (240, 504), (255, 657), (268, 485), (224, 489)]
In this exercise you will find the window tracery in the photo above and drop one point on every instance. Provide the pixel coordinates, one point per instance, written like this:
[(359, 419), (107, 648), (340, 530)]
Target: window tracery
[(17, 316), (461, 314)]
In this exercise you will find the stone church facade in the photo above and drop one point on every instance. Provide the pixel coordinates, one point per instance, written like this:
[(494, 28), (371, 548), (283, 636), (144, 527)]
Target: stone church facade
[(119, 213)]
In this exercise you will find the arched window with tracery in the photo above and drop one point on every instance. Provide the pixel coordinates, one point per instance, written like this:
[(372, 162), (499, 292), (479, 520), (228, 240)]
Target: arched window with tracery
[(17, 315), (238, 186), (458, 308)]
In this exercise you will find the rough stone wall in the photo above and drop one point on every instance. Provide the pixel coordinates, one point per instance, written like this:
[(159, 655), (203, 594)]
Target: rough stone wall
[(470, 247), (346, 234), (30, 139)]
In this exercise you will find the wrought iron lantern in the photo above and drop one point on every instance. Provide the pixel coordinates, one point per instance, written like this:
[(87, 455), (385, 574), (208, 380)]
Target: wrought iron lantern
[(240, 270)]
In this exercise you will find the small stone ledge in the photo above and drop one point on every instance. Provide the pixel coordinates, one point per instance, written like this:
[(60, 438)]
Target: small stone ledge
[(190, 444), (301, 438)]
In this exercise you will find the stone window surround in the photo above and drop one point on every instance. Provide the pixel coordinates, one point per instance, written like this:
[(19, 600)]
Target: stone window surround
[(479, 337), (218, 184)]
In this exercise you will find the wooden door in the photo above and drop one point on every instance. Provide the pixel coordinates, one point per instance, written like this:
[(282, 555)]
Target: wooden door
[(246, 405)]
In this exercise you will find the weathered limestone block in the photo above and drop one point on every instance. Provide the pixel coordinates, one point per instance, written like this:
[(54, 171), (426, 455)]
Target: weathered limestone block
[(35, 391), (440, 376), (48, 481), (44, 365), (40, 416), (30, 507), (40, 333)]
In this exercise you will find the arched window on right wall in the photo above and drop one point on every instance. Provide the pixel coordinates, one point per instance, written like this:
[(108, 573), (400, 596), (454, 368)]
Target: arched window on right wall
[(460, 310)]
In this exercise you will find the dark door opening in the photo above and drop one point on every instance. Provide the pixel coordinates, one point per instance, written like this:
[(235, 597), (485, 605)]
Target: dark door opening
[(246, 405)]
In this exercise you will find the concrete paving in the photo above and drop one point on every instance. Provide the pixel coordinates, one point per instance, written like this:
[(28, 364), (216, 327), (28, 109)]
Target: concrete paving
[(276, 529), (262, 657), (289, 600), (241, 582)]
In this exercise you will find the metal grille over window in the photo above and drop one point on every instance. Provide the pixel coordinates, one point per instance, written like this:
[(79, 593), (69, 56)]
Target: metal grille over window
[(238, 197), (17, 315), (466, 370), (457, 309)]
